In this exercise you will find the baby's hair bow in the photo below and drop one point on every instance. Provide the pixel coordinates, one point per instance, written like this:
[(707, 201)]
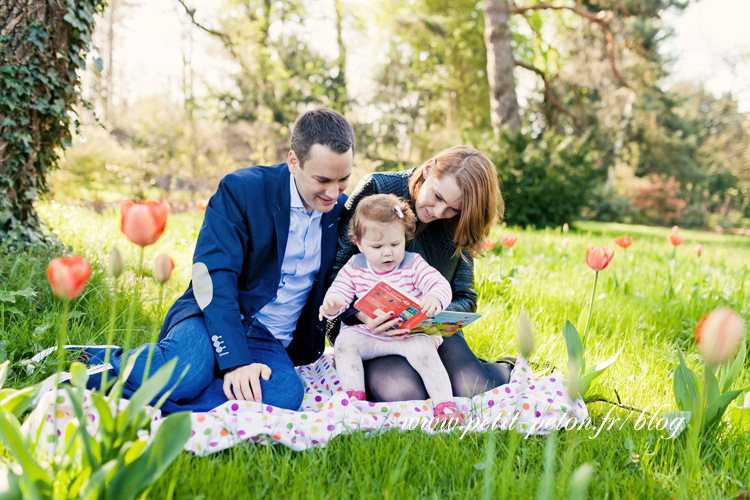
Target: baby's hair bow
[(398, 211)]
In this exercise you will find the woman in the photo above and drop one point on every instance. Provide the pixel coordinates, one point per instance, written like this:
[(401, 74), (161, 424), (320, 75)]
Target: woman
[(456, 197)]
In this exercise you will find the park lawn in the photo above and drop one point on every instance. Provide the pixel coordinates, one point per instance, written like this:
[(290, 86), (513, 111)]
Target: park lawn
[(636, 311)]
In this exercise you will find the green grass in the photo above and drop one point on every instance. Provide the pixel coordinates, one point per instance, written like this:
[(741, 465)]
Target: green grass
[(635, 311)]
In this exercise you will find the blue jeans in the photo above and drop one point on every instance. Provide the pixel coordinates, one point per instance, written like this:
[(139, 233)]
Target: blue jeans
[(202, 389)]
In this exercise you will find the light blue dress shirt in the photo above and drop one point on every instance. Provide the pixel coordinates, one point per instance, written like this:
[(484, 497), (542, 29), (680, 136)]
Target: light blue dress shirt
[(298, 270)]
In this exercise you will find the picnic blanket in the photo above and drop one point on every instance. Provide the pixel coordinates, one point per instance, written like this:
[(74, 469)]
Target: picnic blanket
[(528, 404)]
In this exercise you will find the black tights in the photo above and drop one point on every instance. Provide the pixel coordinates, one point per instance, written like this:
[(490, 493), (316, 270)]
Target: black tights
[(391, 378)]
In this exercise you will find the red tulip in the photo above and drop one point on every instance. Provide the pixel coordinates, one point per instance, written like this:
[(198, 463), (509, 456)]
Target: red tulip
[(718, 334), (508, 240), (624, 241), (143, 223), (566, 242), (68, 276), (598, 258), (676, 239), (201, 205), (163, 266), (698, 250), (489, 243)]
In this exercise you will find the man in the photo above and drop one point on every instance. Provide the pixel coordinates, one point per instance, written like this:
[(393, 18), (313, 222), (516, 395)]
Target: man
[(267, 242)]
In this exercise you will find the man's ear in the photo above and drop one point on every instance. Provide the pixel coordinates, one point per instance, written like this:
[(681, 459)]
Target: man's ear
[(292, 161)]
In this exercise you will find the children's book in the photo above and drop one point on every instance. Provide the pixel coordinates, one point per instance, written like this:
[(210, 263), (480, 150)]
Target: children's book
[(384, 298)]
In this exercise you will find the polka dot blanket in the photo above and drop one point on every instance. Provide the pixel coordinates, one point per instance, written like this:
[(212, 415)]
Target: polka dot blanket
[(528, 404)]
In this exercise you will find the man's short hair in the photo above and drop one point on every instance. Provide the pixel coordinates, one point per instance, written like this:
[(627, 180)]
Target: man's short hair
[(321, 126)]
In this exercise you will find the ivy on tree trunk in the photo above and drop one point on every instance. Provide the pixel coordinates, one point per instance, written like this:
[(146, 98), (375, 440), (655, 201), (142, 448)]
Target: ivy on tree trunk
[(43, 46)]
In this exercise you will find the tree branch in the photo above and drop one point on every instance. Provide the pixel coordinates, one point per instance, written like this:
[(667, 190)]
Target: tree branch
[(601, 18), (223, 36), (547, 89)]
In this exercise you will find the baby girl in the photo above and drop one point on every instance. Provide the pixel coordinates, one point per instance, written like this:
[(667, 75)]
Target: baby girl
[(380, 226)]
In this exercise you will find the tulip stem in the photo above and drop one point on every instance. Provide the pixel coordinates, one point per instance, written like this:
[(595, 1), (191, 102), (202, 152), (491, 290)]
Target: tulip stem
[(110, 333), (154, 335), (62, 334), (591, 307), (131, 318)]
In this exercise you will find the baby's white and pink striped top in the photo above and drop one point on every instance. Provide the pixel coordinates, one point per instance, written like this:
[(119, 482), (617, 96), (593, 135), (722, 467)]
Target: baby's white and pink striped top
[(413, 275)]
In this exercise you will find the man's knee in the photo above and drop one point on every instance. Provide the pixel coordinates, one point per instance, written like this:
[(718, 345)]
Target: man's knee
[(283, 390)]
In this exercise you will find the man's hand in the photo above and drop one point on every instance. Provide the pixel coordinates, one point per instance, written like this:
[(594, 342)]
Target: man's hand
[(382, 325), (430, 305), (244, 382), (331, 307)]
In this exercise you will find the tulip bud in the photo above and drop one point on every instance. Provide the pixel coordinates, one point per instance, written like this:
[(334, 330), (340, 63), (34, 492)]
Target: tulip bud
[(566, 242), (675, 229), (698, 250), (525, 335), (116, 262), (598, 258), (624, 241), (489, 243), (565, 228), (163, 266), (676, 239), (68, 276), (143, 223), (718, 334), (508, 240), (201, 205)]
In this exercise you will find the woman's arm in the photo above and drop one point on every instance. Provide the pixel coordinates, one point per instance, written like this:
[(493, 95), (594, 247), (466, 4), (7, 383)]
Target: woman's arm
[(462, 285)]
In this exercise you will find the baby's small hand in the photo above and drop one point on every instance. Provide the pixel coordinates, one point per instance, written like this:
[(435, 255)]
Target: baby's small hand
[(430, 305), (330, 307)]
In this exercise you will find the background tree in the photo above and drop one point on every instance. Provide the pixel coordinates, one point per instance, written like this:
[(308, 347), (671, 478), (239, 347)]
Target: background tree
[(43, 45)]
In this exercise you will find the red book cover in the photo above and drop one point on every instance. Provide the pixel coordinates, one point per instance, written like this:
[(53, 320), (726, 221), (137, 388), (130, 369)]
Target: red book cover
[(384, 298)]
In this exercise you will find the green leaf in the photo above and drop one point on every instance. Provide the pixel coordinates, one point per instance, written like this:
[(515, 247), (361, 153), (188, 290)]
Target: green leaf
[(574, 345), (715, 410), (166, 445), (579, 482), (711, 384), (4, 372), (34, 476), (674, 416), (76, 399), (10, 486), (18, 402), (730, 372), (7, 297), (595, 372), (686, 386), (27, 292), (76, 315), (146, 393)]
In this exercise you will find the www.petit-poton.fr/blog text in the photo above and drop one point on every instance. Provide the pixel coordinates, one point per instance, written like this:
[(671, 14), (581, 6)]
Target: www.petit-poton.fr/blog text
[(652, 421)]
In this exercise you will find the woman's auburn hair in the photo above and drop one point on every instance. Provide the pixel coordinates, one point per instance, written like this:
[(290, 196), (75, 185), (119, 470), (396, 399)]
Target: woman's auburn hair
[(482, 204), (381, 208)]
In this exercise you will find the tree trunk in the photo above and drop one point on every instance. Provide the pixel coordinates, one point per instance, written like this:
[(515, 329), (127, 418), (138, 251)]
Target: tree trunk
[(497, 39), (341, 97), (40, 52)]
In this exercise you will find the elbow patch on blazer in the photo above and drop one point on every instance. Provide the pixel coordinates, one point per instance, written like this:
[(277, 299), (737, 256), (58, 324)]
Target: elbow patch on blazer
[(203, 286)]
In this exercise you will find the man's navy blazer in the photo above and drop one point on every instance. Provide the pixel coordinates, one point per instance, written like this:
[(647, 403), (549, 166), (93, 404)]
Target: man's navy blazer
[(237, 265)]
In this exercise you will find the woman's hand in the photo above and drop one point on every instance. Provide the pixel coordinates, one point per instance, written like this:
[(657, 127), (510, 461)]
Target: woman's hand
[(382, 325), (430, 305), (331, 307)]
